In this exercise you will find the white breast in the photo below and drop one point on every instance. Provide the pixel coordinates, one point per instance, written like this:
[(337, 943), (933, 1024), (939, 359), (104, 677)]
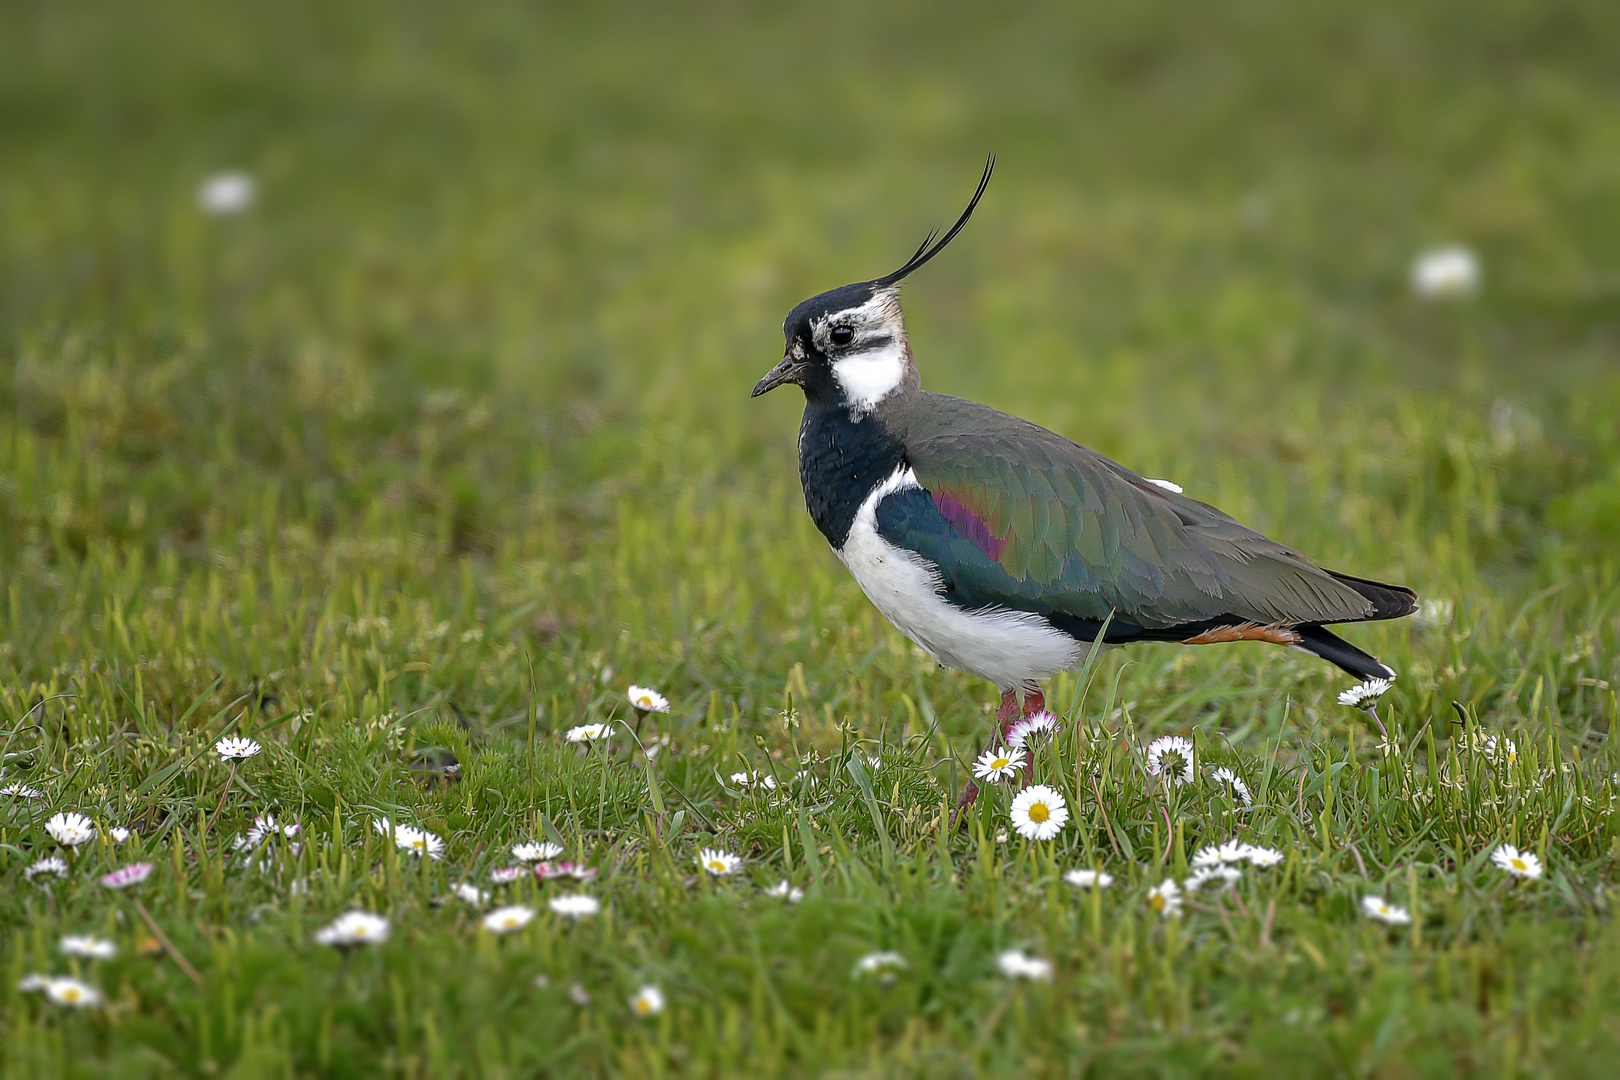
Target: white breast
[(1010, 648)]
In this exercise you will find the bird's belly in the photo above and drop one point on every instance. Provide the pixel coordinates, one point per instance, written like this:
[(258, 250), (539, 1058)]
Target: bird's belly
[(1010, 648)]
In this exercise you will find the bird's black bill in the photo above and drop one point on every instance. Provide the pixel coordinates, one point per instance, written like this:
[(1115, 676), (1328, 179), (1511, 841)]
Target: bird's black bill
[(785, 372)]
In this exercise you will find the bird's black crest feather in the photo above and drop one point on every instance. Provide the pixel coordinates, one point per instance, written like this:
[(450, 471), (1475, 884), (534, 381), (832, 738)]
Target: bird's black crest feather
[(925, 251)]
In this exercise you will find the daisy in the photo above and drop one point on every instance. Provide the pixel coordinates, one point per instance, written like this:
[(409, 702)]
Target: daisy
[(72, 992), (1233, 851), (1231, 779), (1225, 875), (1522, 864), (744, 780), (1038, 813), (994, 765), (1041, 725), (1171, 758), (647, 699), (507, 919), (1262, 856), (1376, 908), (1501, 744), (471, 894), (648, 1001), (226, 193), (30, 984), (1165, 898), (90, 948), (577, 871), (577, 906), (784, 890), (236, 749), (1015, 965), (505, 875), (125, 876), (536, 852), (589, 733), (719, 863), (70, 829), (410, 838), (50, 865), (21, 791), (1445, 273), (354, 928), (1365, 695), (1089, 879), (879, 963), (119, 835)]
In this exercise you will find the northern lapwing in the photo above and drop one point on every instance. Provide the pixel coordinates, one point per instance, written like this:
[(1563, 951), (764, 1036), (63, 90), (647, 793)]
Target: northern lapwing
[(1003, 549)]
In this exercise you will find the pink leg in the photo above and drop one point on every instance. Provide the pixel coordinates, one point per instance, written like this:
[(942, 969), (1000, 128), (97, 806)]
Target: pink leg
[(1006, 717)]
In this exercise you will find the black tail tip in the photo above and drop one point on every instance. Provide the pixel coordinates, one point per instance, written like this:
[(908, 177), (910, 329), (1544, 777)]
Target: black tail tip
[(1335, 650)]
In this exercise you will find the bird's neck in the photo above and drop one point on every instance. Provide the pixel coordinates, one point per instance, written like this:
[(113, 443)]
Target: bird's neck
[(841, 459)]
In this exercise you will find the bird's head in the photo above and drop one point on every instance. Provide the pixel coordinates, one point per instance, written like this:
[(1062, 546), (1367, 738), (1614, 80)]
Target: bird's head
[(849, 344)]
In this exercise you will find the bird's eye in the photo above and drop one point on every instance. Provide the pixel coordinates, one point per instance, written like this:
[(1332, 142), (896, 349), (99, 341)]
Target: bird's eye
[(841, 335)]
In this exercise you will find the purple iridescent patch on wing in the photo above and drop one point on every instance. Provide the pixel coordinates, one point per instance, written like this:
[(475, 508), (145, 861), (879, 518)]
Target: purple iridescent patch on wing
[(969, 524)]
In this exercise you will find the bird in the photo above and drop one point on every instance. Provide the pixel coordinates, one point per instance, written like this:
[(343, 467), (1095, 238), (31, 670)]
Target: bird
[(1005, 550)]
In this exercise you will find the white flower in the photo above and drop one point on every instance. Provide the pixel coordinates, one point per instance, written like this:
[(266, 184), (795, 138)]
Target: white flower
[(21, 791), (119, 835), (1171, 757), (233, 749), (1165, 898), (879, 963), (72, 992), (1168, 485), (1262, 856), (1226, 875), (1089, 879), (354, 928), (471, 894), (1041, 724), (1522, 864), (1365, 695), (90, 948), (1015, 965), (264, 828), (648, 1001), (1445, 272), (1231, 779), (589, 733), (226, 193), (1233, 851), (748, 779), (993, 765), (647, 699), (70, 829), (719, 863), (576, 906), (1501, 745), (504, 920), (1038, 813), (536, 852), (126, 876), (51, 865), (410, 838), (1375, 907), (30, 984), (784, 890), (505, 875)]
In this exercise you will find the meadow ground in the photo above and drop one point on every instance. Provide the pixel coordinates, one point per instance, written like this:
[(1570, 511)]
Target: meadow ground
[(438, 447)]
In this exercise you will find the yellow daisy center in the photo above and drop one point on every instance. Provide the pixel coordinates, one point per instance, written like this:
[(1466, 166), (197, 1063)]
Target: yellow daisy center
[(643, 701), (1519, 864), (716, 865), (1001, 763), (1156, 901), (643, 1006), (1038, 812)]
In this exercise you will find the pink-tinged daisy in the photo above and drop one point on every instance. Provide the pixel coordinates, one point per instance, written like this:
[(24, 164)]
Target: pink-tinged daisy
[(995, 765), (236, 749), (21, 791), (648, 1001), (1165, 898), (577, 871), (577, 906), (1089, 879), (1037, 725), (72, 993), (49, 866), (70, 829), (719, 863), (785, 890), (1521, 864), (352, 929), (505, 875), (504, 920), (88, 947), (1038, 812), (1380, 910), (536, 852), (647, 699), (1170, 757), (127, 876), (1015, 964)]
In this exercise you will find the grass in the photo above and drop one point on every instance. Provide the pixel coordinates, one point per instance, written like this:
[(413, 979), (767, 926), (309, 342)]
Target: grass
[(447, 441)]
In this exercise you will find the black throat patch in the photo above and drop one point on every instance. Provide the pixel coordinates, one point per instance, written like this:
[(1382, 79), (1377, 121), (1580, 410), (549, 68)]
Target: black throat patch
[(840, 461)]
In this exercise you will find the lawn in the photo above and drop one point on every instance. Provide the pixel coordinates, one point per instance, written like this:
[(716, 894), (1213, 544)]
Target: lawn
[(423, 459)]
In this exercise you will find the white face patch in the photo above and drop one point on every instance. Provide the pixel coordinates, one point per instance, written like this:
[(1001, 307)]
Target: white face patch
[(873, 365), (869, 377)]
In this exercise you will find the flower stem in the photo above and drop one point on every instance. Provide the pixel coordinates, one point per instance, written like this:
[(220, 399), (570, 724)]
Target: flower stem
[(163, 939)]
